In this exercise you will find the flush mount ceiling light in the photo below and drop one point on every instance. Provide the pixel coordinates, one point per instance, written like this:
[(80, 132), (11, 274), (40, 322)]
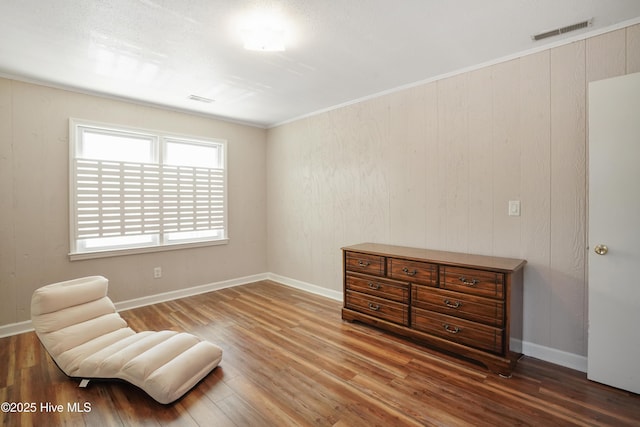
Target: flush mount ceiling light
[(263, 31)]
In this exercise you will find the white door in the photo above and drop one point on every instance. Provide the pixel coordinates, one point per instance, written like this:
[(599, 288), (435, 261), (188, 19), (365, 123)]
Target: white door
[(614, 232)]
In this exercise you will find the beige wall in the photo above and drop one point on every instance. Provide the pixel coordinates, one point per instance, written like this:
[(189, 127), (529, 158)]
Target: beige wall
[(435, 166), (34, 222)]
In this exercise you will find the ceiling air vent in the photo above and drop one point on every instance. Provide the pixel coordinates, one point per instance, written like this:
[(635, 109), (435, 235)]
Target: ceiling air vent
[(200, 99), (558, 31)]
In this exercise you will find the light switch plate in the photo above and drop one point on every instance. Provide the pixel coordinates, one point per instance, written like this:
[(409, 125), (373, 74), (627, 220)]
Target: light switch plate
[(514, 207)]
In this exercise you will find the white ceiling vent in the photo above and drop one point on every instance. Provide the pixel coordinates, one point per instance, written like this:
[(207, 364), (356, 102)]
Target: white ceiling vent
[(558, 31), (201, 99)]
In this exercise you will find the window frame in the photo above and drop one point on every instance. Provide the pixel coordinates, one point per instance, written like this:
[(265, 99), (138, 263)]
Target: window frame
[(159, 140)]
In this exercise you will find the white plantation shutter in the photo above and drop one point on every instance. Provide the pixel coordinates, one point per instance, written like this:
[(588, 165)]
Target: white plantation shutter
[(192, 198), (114, 201)]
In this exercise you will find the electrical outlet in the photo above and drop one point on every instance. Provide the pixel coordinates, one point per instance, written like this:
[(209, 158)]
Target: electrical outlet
[(514, 207), (157, 272)]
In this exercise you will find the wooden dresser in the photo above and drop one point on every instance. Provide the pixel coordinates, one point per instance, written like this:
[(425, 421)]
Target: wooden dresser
[(469, 305)]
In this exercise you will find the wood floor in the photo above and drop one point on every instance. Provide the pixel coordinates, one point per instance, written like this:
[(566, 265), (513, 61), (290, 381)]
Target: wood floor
[(289, 360)]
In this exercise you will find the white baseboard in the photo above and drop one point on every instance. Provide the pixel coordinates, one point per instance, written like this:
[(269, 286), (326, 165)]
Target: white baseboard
[(182, 293), (308, 287), (15, 328), (548, 354), (555, 356)]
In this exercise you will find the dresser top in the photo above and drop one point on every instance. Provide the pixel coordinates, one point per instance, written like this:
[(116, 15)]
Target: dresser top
[(440, 257)]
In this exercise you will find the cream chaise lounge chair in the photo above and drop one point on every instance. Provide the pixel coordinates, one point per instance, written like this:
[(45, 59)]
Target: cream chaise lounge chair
[(79, 326)]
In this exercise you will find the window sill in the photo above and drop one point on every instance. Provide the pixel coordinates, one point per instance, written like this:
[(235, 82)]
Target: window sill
[(79, 256)]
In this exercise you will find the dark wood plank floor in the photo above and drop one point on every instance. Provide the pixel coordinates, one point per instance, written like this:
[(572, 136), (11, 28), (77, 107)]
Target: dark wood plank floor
[(289, 360)]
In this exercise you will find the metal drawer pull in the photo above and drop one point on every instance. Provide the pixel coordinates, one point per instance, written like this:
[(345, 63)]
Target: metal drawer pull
[(374, 307), (453, 330), (410, 273), (374, 286), (452, 305), (364, 263), (471, 283)]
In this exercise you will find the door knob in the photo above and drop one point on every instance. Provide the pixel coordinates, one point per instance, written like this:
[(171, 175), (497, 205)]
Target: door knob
[(601, 249)]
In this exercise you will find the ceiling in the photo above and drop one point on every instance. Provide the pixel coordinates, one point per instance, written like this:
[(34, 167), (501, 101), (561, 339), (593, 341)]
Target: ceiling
[(162, 51)]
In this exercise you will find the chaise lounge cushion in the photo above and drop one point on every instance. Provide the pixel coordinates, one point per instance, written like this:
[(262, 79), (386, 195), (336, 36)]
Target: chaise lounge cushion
[(79, 327)]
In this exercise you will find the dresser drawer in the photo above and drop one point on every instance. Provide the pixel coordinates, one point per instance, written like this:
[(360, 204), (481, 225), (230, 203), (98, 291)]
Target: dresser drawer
[(412, 271), (479, 309), (458, 330), (379, 307), (365, 263), (476, 282), (383, 288)]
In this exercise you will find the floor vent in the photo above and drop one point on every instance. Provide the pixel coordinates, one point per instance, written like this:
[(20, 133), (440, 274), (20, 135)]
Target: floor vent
[(558, 31)]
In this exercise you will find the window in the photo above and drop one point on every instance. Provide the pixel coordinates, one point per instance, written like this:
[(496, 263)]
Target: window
[(139, 190)]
